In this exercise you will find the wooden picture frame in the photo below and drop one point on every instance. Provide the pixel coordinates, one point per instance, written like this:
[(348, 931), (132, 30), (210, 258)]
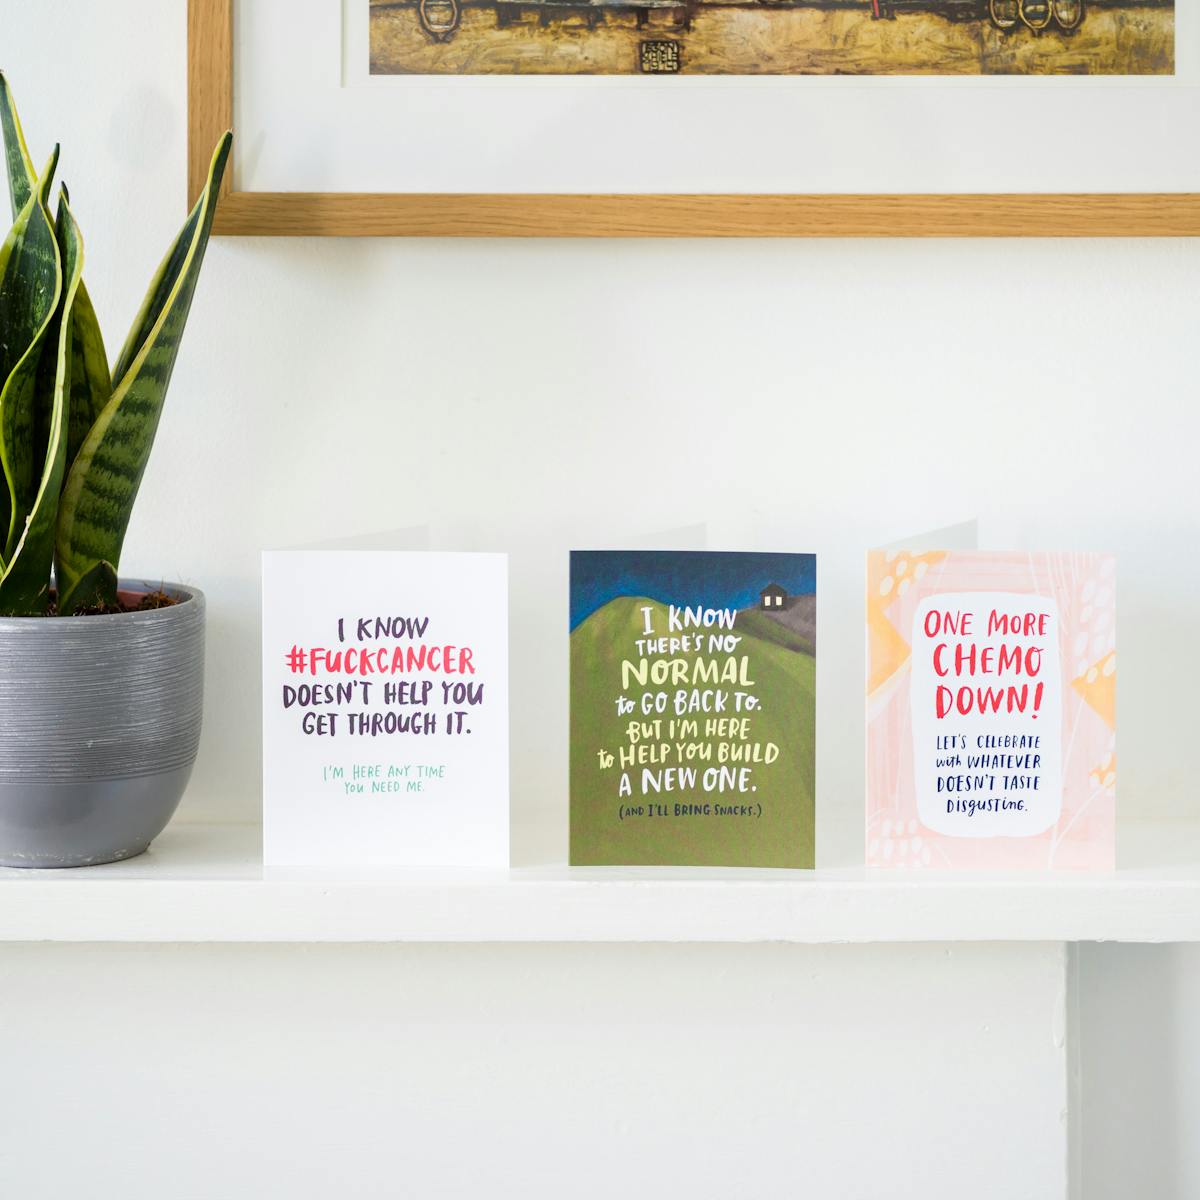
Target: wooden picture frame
[(373, 214)]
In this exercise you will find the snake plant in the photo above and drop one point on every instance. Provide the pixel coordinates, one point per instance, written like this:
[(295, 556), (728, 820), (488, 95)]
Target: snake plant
[(75, 437)]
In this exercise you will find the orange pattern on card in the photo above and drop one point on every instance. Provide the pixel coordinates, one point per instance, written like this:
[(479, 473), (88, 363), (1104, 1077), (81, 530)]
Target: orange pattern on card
[(889, 575), (1097, 688)]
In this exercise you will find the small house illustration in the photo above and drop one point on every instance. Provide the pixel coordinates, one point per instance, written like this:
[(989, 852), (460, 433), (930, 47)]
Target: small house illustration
[(773, 598)]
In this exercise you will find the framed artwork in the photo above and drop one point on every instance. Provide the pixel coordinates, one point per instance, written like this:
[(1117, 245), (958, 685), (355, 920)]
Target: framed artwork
[(663, 118)]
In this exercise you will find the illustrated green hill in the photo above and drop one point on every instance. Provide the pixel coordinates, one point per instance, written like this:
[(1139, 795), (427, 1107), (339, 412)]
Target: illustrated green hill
[(784, 675)]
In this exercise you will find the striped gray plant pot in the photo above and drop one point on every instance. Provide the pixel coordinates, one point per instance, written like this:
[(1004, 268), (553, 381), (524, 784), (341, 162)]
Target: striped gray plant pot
[(99, 725)]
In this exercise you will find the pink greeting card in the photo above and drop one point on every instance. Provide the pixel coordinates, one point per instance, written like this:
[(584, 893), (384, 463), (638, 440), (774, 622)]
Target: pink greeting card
[(991, 709)]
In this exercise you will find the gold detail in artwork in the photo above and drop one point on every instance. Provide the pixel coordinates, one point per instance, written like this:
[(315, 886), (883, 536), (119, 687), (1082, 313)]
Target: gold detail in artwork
[(660, 57)]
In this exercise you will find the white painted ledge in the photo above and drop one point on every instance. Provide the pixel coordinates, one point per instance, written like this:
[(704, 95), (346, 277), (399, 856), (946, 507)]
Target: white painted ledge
[(205, 883)]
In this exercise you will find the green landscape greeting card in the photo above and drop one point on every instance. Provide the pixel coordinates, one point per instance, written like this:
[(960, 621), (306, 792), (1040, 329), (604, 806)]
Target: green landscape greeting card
[(693, 710)]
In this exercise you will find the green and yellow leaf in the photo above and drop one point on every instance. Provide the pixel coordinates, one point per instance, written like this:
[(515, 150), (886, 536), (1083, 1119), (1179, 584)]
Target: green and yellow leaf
[(30, 287), (25, 584), (91, 384), (22, 181), (104, 478)]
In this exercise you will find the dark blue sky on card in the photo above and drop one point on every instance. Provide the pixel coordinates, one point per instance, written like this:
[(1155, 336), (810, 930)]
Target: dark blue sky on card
[(713, 579)]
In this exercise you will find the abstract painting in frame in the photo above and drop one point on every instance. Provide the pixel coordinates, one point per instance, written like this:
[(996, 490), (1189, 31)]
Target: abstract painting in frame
[(771, 37), (728, 118)]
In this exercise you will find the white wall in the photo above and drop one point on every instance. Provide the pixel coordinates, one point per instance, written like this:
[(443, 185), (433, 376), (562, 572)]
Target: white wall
[(801, 395), (535, 396), (1140, 1049), (531, 1071)]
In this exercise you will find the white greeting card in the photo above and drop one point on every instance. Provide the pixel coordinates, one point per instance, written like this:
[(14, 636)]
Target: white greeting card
[(385, 708)]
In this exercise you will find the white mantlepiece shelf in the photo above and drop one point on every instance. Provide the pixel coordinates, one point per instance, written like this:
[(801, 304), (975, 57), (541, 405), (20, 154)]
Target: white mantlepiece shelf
[(205, 883)]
